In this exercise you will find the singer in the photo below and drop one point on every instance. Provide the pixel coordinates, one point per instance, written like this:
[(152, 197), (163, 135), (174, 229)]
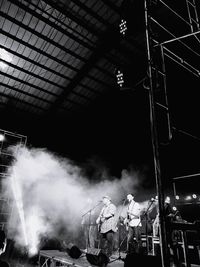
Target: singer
[(106, 226), (133, 224)]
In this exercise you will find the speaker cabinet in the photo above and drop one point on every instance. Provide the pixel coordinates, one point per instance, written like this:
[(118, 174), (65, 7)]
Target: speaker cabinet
[(73, 251), (97, 257)]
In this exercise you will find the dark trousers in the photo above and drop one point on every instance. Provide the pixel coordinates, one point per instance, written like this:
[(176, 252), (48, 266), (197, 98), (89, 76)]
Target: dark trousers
[(134, 239), (107, 242)]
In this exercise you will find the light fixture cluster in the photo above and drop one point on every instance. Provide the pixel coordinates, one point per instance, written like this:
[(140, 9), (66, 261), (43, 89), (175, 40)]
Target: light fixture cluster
[(120, 78), (123, 27), (191, 197)]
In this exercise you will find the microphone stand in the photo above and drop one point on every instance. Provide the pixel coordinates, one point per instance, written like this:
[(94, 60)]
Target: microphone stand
[(89, 223), (119, 241), (146, 228)]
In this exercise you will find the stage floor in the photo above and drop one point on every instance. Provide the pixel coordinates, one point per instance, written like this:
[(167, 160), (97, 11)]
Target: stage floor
[(56, 257)]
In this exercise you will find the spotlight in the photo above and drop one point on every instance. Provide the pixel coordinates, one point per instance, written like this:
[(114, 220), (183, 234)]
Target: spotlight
[(174, 208), (194, 196), (123, 27), (177, 197), (2, 137), (120, 78)]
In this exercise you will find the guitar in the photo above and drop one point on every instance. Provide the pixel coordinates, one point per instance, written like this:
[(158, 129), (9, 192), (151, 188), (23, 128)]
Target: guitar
[(132, 219), (100, 221)]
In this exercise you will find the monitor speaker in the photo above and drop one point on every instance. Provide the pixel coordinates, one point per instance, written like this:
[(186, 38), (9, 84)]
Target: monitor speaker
[(73, 251), (97, 257)]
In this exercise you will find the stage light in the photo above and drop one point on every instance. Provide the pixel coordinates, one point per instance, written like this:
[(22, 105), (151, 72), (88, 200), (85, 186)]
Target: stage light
[(188, 198), (177, 197), (194, 196), (174, 208), (2, 137), (120, 78), (123, 27)]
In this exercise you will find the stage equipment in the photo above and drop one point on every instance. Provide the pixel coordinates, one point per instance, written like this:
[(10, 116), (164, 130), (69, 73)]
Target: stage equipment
[(122, 27), (138, 260), (73, 251), (89, 214), (120, 78), (97, 257)]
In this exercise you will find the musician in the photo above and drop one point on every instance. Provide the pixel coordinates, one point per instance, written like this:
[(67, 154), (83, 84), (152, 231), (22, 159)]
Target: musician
[(133, 224), (170, 216), (168, 213), (106, 226)]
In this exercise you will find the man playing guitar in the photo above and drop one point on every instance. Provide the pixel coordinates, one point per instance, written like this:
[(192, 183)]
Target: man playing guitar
[(106, 225), (133, 223)]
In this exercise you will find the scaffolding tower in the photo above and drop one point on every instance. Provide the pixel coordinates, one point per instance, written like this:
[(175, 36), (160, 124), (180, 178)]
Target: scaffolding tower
[(8, 139), (161, 42)]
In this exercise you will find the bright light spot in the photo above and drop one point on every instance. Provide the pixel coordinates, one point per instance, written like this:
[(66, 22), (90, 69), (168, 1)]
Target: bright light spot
[(177, 197), (33, 251), (3, 65), (174, 208), (34, 225), (194, 196), (19, 203), (2, 137), (5, 55), (188, 198)]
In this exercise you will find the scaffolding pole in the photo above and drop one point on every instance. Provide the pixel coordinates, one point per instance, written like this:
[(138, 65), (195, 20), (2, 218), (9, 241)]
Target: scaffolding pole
[(155, 146)]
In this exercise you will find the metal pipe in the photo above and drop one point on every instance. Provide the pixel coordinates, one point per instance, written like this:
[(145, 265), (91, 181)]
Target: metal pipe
[(188, 47), (186, 176), (155, 147), (174, 12), (179, 38)]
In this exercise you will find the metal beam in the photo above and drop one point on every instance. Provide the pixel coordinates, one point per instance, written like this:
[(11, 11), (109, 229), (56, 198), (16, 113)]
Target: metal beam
[(92, 13), (45, 68), (112, 6), (20, 81), (41, 36), (110, 39), (61, 7), (50, 23), (12, 88)]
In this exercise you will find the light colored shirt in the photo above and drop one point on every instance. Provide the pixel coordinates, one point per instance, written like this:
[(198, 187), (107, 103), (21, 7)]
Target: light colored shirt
[(133, 214), (106, 218)]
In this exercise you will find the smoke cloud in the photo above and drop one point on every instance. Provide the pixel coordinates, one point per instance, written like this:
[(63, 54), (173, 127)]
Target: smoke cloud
[(51, 194)]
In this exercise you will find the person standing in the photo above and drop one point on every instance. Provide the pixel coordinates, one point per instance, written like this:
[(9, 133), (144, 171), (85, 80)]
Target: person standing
[(107, 226), (133, 224)]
